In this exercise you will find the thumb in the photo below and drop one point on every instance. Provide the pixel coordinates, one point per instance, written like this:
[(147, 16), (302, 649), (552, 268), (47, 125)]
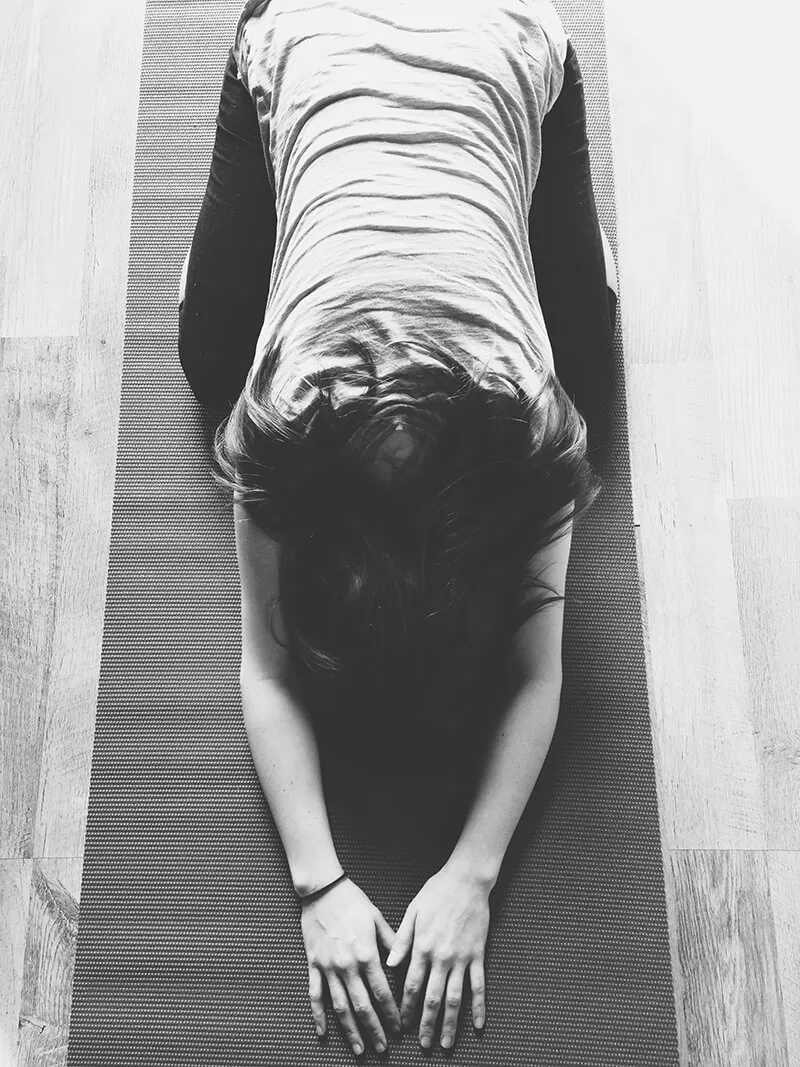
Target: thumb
[(402, 942), (385, 932)]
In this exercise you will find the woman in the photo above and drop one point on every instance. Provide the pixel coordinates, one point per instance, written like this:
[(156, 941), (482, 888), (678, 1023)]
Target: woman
[(404, 435)]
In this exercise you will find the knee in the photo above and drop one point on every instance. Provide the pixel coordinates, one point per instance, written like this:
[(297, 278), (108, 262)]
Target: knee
[(198, 370)]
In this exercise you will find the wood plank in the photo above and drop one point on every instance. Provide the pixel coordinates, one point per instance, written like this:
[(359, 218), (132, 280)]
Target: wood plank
[(701, 718), (784, 878), (49, 962), (731, 991), (35, 409), (15, 893), (52, 69), (765, 535)]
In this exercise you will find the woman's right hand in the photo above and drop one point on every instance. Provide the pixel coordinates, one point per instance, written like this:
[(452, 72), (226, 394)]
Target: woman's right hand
[(339, 930)]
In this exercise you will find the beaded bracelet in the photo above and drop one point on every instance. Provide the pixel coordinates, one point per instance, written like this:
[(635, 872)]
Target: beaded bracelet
[(324, 889)]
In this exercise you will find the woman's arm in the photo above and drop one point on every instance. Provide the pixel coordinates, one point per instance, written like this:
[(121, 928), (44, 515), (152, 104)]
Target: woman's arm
[(518, 750), (279, 730), (524, 734), (286, 757), (342, 927), (446, 924)]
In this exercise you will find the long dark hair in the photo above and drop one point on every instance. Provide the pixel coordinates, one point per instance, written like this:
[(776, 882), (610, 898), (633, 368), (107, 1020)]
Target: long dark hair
[(416, 585)]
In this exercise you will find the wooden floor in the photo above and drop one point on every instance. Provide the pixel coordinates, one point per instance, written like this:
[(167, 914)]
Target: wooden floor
[(704, 120)]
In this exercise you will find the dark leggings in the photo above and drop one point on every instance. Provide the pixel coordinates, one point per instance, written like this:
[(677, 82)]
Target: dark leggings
[(231, 254)]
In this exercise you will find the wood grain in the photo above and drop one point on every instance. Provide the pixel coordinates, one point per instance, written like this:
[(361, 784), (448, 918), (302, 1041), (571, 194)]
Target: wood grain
[(50, 944), (708, 230), (15, 883), (732, 1003)]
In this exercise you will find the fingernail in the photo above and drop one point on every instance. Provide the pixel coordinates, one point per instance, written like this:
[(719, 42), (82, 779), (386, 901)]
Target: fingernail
[(447, 1042), (358, 1049), (425, 1042), (380, 1047)]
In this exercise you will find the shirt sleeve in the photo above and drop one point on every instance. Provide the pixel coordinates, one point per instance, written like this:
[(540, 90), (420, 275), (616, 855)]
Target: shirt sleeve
[(557, 48), (241, 45), (252, 52), (549, 47)]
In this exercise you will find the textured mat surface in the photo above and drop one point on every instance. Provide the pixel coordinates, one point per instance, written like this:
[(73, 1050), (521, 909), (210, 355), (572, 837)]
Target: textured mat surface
[(189, 947)]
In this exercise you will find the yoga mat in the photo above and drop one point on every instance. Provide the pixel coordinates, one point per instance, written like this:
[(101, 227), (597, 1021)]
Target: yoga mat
[(189, 945)]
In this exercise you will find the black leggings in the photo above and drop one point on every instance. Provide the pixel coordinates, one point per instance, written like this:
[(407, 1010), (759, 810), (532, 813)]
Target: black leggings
[(231, 254)]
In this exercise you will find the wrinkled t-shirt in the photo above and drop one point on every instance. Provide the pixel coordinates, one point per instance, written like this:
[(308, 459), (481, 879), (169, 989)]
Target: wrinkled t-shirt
[(402, 141)]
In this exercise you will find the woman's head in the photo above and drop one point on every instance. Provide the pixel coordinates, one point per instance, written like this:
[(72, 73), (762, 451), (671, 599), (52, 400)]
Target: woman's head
[(397, 453), (407, 516)]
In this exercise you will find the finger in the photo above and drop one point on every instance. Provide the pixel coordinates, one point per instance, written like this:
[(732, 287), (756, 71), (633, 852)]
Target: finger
[(386, 934), (478, 984), (415, 980), (403, 939), (365, 1012), (315, 996), (376, 977), (431, 1004), (452, 1005), (341, 1005)]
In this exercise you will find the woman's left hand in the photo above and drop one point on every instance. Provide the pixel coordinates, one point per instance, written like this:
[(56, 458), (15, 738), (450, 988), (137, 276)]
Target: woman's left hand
[(447, 923)]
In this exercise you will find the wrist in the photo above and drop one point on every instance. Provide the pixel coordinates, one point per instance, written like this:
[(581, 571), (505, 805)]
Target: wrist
[(308, 898), (307, 881), (479, 872)]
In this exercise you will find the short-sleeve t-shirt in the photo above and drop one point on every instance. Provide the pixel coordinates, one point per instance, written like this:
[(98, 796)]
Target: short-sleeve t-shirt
[(402, 140)]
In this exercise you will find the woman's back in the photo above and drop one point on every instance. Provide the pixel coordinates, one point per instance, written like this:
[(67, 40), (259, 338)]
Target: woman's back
[(403, 144)]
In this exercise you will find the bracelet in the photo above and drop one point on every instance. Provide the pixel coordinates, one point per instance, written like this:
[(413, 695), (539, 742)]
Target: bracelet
[(318, 892)]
